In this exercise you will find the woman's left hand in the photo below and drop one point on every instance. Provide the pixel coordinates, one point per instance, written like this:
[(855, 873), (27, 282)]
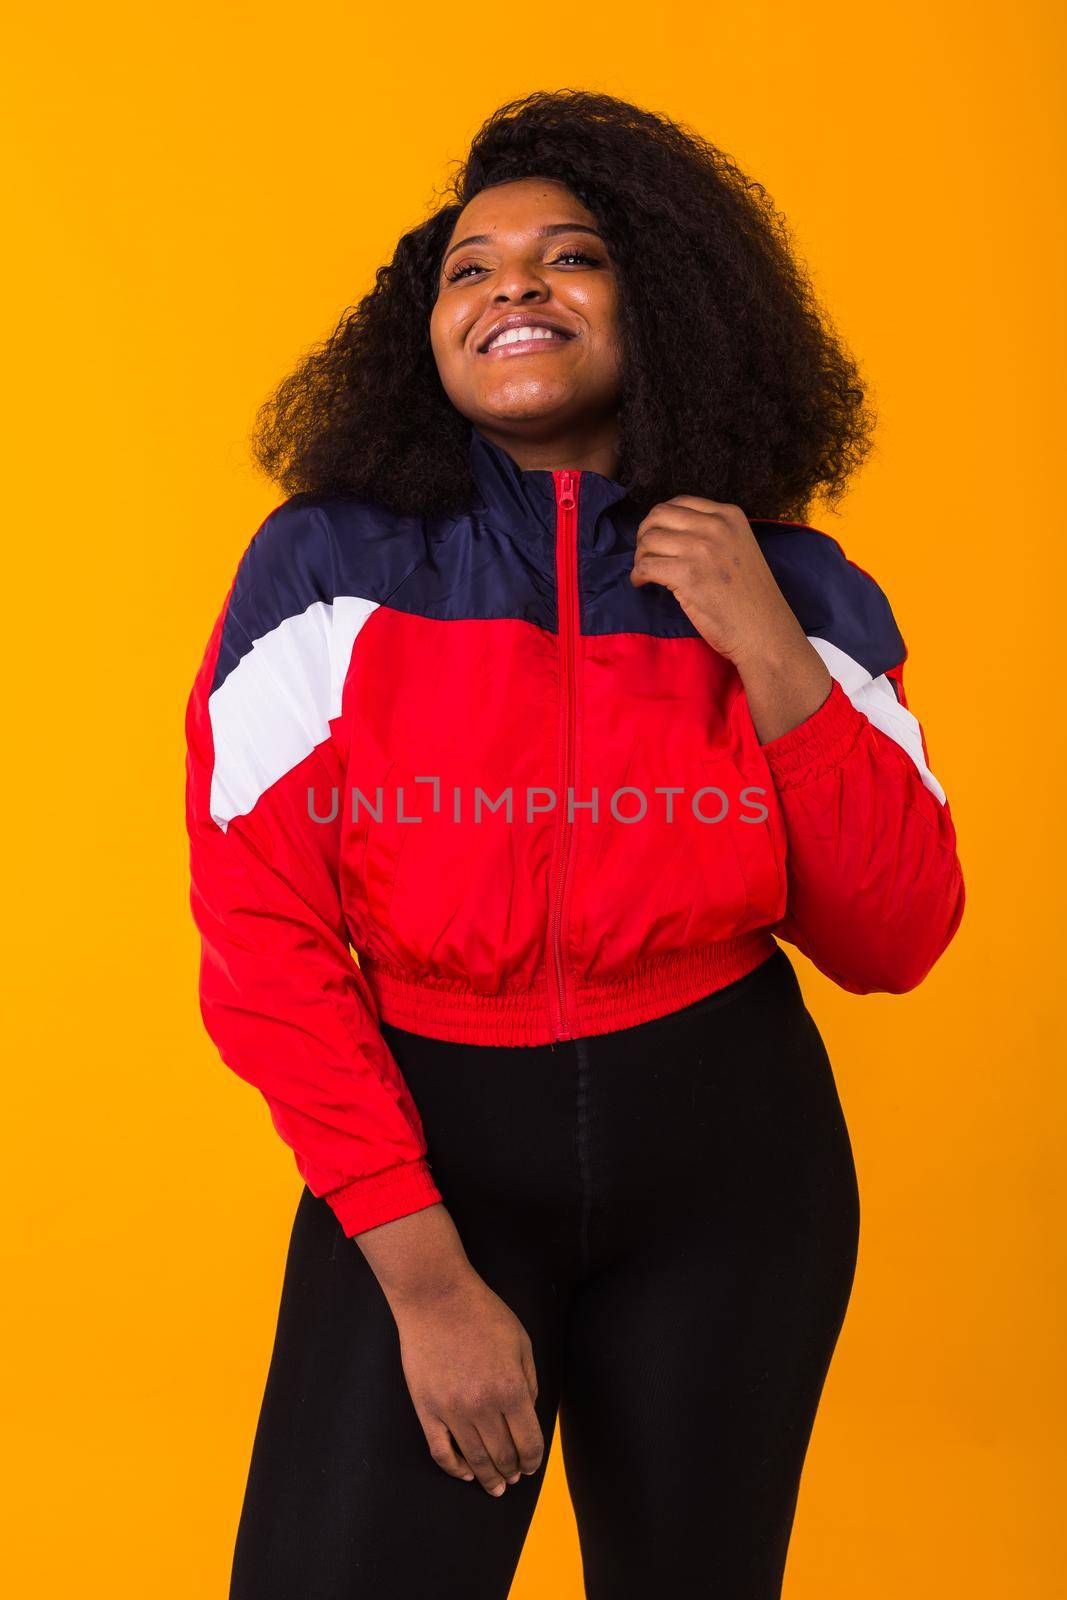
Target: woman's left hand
[(706, 554)]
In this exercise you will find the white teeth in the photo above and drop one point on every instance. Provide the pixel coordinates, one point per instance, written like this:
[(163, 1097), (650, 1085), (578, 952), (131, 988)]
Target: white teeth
[(522, 336)]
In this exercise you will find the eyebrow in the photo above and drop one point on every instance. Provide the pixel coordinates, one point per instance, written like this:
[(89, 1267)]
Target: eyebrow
[(549, 229)]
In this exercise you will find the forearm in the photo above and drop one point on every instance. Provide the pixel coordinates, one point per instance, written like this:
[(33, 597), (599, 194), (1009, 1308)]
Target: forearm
[(785, 680), (418, 1258)]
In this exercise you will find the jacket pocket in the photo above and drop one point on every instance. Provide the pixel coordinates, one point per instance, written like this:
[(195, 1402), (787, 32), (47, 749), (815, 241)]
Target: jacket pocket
[(755, 830)]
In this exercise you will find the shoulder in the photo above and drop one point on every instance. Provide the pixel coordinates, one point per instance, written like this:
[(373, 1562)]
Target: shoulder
[(316, 547), (312, 551), (833, 598)]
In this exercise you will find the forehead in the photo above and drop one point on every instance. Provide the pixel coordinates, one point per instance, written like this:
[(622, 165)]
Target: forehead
[(520, 206)]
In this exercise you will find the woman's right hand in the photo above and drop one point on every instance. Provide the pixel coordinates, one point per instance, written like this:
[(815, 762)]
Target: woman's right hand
[(467, 1358)]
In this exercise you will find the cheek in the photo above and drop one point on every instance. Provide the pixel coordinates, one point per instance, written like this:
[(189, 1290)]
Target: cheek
[(608, 344), (610, 314), (601, 310), (438, 333), (448, 325)]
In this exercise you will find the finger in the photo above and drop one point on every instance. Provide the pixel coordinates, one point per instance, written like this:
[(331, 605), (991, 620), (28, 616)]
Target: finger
[(443, 1450), (657, 569), (674, 514), (526, 1434), (493, 1427), (696, 502), (665, 541), (473, 1449)]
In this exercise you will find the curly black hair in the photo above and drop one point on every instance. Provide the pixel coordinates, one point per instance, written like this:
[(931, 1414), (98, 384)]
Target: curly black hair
[(735, 385)]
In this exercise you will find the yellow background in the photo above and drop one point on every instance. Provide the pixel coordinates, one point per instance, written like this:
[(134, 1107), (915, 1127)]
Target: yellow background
[(194, 196)]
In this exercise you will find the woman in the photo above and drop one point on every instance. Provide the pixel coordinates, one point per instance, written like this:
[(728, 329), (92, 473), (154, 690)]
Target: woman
[(539, 694)]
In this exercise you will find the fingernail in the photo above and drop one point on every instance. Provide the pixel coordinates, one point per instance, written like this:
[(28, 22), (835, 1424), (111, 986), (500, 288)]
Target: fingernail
[(468, 1477), (515, 1479), (499, 1489)]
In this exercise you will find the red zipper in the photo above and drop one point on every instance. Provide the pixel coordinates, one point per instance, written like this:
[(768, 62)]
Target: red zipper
[(567, 484)]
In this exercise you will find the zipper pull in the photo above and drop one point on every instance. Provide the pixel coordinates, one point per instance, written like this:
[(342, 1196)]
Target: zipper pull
[(567, 481)]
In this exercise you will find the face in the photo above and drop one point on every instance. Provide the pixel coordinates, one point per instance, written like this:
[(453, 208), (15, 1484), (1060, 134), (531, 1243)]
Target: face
[(527, 256)]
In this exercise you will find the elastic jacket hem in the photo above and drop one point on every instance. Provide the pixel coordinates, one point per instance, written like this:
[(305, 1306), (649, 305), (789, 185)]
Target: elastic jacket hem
[(651, 989)]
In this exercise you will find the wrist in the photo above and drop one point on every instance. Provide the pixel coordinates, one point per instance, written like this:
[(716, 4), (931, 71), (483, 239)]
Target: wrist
[(433, 1293), (776, 655), (419, 1259), (784, 687)]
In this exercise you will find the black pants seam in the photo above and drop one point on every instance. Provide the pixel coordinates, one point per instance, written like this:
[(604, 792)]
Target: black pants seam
[(585, 1177)]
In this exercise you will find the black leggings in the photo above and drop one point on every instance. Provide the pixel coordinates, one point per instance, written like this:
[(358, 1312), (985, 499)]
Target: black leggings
[(671, 1211)]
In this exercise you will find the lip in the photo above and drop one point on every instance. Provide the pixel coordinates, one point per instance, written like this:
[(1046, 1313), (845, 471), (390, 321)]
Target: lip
[(523, 319)]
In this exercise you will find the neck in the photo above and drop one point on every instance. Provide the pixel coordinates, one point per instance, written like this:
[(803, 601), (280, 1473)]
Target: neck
[(581, 449)]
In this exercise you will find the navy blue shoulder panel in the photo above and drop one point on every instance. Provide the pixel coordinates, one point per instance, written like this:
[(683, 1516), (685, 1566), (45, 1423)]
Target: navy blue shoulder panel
[(830, 596), (473, 570), (314, 548)]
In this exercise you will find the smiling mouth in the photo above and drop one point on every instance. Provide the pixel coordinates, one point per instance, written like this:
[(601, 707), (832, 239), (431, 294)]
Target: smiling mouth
[(527, 341)]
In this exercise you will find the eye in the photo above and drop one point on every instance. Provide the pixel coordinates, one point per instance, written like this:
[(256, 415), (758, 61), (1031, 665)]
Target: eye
[(579, 255), (461, 272)]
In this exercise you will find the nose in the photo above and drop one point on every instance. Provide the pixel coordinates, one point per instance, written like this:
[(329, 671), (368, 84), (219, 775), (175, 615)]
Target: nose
[(520, 282)]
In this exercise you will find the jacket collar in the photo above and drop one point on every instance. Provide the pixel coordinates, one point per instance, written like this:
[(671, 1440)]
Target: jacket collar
[(514, 496)]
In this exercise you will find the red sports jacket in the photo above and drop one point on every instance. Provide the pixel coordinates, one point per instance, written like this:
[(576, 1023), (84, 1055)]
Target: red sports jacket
[(530, 797)]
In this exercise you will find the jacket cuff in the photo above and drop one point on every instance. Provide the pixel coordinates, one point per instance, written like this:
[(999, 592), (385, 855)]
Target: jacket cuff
[(816, 745), (384, 1196)]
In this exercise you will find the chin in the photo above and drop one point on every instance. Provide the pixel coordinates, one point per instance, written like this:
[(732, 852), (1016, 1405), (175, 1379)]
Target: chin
[(517, 402)]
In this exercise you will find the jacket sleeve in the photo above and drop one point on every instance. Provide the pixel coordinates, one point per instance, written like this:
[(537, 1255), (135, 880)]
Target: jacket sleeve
[(280, 994), (875, 888)]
